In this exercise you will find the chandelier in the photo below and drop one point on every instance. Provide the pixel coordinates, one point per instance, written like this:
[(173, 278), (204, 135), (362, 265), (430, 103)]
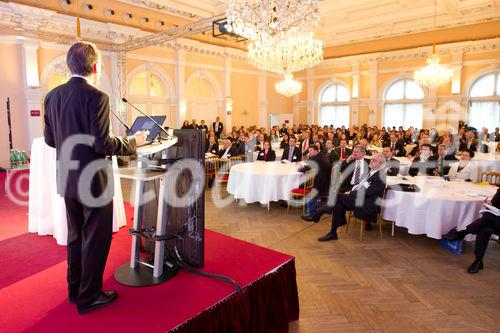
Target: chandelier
[(433, 74), (285, 56), (263, 18), (288, 87)]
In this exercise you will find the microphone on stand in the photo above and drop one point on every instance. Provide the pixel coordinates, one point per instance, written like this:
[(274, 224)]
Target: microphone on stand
[(119, 119), (145, 115)]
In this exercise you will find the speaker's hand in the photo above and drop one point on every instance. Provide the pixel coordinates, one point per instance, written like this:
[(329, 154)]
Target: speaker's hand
[(140, 137)]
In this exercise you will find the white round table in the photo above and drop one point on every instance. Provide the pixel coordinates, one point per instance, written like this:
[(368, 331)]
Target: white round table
[(437, 208), (263, 181), (47, 210)]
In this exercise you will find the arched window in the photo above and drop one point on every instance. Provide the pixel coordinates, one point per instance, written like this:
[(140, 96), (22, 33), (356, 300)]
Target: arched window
[(484, 105), (334, 106), (403, 104), (150, 91), (203, 96)]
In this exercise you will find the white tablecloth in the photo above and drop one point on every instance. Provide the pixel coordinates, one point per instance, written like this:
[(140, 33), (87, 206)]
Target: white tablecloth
[(437, 208), (263, 181), (47, 210), (492, 146)]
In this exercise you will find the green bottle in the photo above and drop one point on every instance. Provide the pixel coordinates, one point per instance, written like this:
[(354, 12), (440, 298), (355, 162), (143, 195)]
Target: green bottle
[(13, 159)]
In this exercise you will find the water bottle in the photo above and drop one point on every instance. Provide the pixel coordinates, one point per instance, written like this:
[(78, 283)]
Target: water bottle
[(13, 159)]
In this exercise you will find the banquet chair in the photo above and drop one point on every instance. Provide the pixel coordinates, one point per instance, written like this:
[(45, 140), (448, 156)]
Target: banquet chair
[(211, 165), (298, 195), (491, 177), (223, 165)]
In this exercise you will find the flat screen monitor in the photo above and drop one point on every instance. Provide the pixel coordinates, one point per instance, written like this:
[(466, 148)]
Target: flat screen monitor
[(142, 123)]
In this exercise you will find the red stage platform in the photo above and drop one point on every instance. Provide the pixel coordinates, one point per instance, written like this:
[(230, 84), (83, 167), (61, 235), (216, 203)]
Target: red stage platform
[(33, 295)]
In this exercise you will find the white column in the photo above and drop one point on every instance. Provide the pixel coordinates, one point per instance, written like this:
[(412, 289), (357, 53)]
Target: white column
[(456, 66), (228, 101), (311, 105), (32, 93), (355, 80), (373, 105), (262, 119), (180, 73), (118, 91)]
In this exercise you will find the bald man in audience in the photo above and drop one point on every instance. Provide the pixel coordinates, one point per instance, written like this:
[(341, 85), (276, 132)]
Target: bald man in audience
[(363, 199)]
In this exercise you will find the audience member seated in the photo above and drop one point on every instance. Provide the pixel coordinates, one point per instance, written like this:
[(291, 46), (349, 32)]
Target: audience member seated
[(396, 146), (464, 169), (266, 154), (284, 141), (376, 140), (442, 161), (364, 143), (423, 164), (363, 199), (391, 164), (305, 142), (353, 169), (323, 172), (483, 228), (496, 135), (331, 156), (292, 153), (423, 140), (186, 125), (213, 146), (229, 150), (470, 142), (343, 151), (273, 137)]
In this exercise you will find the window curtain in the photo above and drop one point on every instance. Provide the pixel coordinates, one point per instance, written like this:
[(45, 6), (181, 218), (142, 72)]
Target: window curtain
[(484, 114)]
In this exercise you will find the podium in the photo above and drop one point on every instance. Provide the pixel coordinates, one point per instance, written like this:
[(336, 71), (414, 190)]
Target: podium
[(137, 272)]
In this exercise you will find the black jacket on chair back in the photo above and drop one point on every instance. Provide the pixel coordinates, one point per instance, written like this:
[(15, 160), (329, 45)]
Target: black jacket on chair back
[(78, 111)]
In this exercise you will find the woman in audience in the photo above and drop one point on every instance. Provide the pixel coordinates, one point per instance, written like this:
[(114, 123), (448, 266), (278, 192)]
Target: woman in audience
[(266, 154), (376, 141), (186, 125), (284, 142), (273, 137), (464, 169), (421, 165)]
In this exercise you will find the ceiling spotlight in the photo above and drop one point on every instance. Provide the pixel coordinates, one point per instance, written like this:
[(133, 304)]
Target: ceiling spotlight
[(65, 3), (127, 16), (144, 20), (160, 24)]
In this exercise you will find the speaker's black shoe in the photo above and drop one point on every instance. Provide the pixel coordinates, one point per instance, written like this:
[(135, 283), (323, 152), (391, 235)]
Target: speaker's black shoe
[(329, 236), (104, 299), (368, 226), (475, 267), (71, 300), (453, 235)]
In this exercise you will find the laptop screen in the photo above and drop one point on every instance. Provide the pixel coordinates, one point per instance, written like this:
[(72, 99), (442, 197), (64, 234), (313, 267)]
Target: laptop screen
[(142, 123)]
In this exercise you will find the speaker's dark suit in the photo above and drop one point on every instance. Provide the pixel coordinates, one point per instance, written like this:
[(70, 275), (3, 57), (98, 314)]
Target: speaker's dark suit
[(296, 154), (78, 111)]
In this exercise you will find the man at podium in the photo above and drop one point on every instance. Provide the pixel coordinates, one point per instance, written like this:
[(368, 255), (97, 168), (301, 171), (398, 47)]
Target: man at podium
[(77, 126)]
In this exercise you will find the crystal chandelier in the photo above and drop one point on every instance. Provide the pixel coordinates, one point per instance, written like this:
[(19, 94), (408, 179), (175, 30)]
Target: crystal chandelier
[(433, 74), (285, 56), (259, 18), (288, 87)]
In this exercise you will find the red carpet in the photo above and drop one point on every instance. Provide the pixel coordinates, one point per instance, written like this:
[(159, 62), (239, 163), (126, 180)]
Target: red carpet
[(33, 294)]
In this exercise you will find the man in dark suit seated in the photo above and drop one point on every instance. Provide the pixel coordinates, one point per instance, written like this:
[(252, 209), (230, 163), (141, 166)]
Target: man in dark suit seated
[(266, 154), (362, 199), (353, 169), (470, 142), (391, 164), (423, 164), (342, 151), (442, 161), (77, 125), (318, 162), (483, 228), (229, 150), (330, 154), (396, 146), (292, 153), (213, 146)]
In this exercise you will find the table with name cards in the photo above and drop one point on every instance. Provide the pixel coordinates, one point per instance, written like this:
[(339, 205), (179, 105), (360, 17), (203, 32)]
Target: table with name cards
[(263, 181), (438, 207)]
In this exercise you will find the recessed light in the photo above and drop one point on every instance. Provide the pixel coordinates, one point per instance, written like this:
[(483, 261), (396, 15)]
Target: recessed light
[(144, 20), (127, 16), (109, 12)]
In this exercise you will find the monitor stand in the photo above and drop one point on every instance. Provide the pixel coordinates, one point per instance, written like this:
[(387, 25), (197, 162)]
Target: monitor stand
[(142, 275)]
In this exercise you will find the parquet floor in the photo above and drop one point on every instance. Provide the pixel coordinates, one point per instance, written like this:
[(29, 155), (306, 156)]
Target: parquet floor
[(405, 283)]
